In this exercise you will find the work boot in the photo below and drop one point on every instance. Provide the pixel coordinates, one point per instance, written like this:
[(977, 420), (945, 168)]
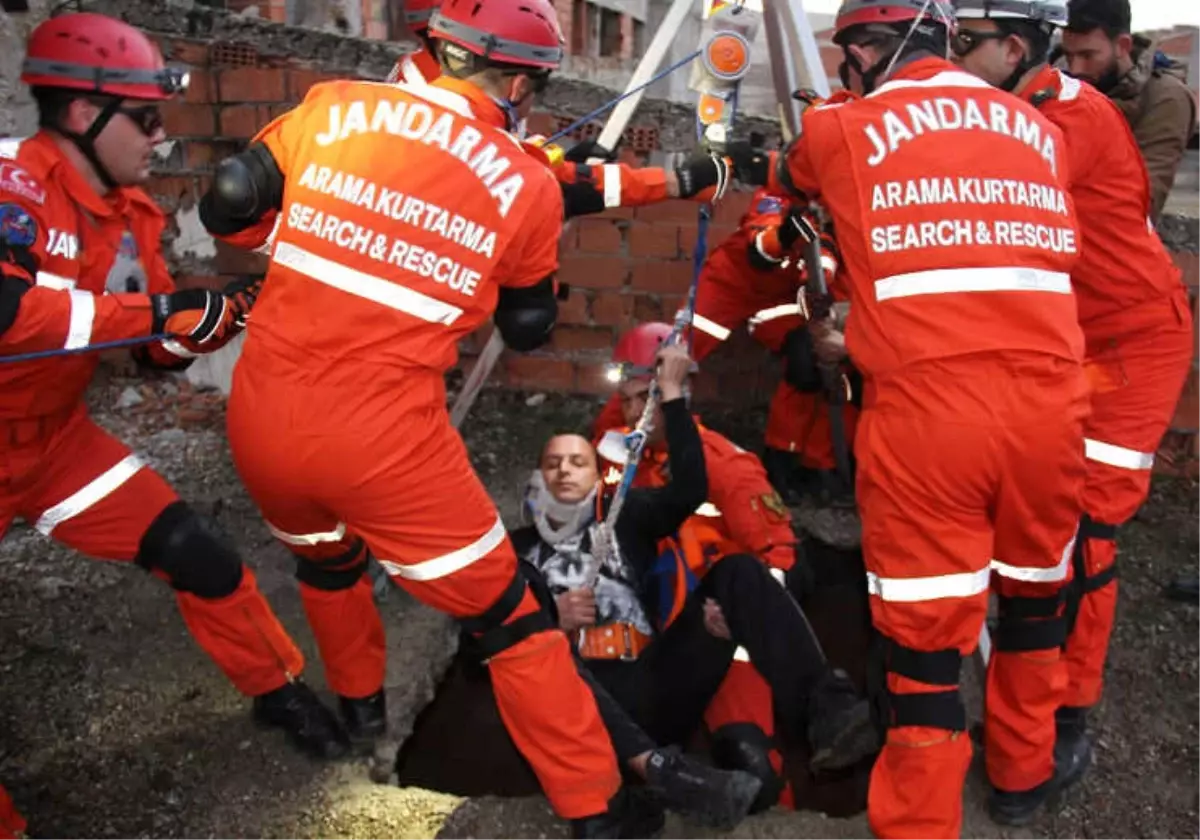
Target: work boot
[(1185, 588), (312, 727), (717, 798), (628, 816), (365, 717), (1072, 757), (840, 729)]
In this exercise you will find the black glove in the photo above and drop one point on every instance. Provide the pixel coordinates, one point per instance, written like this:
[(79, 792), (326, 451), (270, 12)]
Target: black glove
[(800, 362), (242, 294), (751, 162), (585, 150), (703, 169), (794, 227), (197, 315)]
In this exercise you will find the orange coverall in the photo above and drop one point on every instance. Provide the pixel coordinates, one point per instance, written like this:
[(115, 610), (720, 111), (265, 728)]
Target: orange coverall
[(742, 515), (1135, 318), (401, 221), (958, 242), (93, 261)]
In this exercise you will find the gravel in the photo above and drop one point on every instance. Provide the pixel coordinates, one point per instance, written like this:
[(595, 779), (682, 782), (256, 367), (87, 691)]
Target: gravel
[(114, 724)]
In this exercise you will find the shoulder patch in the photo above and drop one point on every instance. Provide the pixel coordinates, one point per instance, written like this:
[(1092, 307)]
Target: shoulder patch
[(17, 181), (768, 205), (17, 227)]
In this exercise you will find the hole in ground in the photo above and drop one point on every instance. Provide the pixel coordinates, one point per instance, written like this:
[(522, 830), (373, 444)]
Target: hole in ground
[(459, 745)]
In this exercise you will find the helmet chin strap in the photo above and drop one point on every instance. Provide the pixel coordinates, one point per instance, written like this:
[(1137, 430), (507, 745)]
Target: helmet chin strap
[(86, 142)]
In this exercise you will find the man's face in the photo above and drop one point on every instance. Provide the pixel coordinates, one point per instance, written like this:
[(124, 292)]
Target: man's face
[(569, 468), (981, 49), (1096, 58), (634, 393), (126, 145)]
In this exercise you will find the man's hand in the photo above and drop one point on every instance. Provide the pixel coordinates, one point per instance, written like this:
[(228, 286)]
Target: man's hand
[(242, 293), (828, 341), (701, 170), (585, 150), (714, 620), (751, 162), (795, 227), (674, 365), (576, 608), (200, 319)]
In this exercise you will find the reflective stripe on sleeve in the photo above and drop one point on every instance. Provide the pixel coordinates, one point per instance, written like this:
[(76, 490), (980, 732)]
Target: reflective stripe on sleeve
[(1117, 456), (83, 317), (612, 185), (710, 327)]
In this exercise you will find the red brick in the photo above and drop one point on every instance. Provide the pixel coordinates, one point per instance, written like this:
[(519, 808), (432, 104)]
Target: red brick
[(622, 213), (594, 272), (201, 89), (654, 240), (592, 378), (730, 209), (612, 309), (542, 123), (299, 81), (540, 372), (670, 305), (572, 339), (647, 308), (668, 211), (573, 310), (715, 236), (192, 53), (197, 155), (183, 120), (658, 276), (599, 235), (1187, 411), (253, 84), (230, 260), (242, 120)]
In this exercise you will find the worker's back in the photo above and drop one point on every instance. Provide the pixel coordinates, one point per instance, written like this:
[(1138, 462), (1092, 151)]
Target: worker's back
[(404, 211), (956, 236)]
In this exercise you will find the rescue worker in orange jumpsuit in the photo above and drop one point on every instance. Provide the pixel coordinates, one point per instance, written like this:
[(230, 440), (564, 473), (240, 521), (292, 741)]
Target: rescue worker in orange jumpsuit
[(743, 516), (1132, 307), (586, 188), (970, 443), (410, 215), (81, 263)]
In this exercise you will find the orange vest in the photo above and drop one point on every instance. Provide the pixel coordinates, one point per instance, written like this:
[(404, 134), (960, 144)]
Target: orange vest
[(955, 231)]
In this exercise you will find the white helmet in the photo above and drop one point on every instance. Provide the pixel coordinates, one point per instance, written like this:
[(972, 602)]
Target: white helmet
[(1051, 13)]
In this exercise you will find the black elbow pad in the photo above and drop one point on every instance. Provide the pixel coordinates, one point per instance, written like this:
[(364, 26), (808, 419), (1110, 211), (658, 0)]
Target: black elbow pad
[(525, 317), (800, 362), (245, 188), (12, 290)]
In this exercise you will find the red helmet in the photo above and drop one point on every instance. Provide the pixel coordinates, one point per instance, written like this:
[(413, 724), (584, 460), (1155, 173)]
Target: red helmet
[(522, 32), (98, 54), (855, 13), (417, 13), (636, 352)]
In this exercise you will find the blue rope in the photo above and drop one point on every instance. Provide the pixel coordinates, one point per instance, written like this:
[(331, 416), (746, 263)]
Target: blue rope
[(87, 348), (612, 103)]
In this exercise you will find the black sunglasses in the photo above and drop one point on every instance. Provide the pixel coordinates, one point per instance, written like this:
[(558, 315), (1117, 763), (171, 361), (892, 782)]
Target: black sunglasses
[(965, 41), (147, 118)]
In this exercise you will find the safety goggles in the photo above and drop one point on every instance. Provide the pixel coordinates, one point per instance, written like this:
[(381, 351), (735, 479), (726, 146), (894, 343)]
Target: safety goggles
[(965, 41)]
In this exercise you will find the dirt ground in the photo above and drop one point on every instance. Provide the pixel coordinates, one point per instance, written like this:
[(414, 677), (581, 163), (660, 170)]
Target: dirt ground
[(114, 724)]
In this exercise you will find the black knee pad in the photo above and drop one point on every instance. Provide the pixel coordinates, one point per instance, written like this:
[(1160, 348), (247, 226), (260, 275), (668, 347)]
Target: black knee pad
[(335, 573), (192, 551), (745, 747)]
